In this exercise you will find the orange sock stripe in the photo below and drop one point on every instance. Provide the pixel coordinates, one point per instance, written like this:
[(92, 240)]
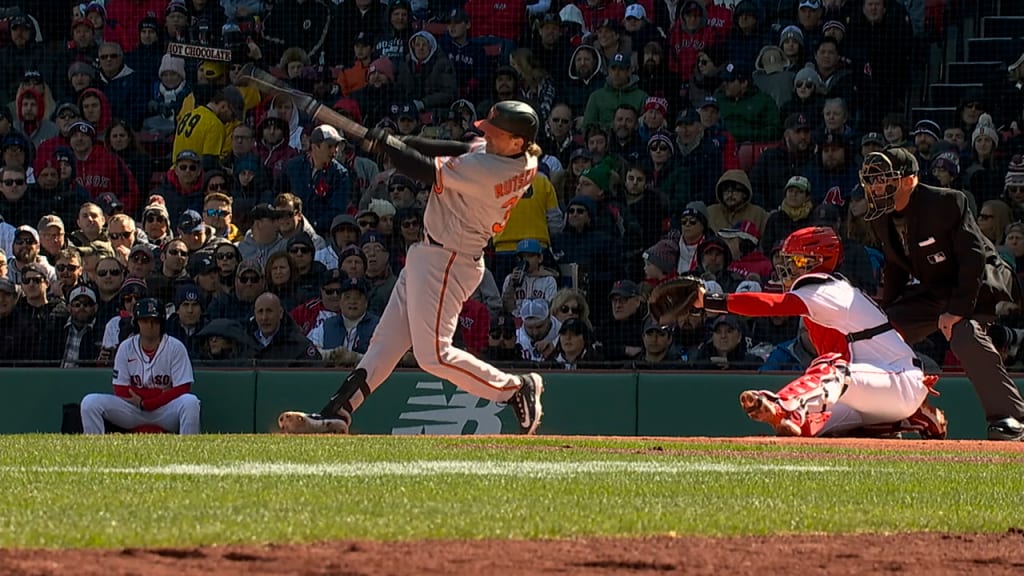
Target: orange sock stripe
[(437, 326)]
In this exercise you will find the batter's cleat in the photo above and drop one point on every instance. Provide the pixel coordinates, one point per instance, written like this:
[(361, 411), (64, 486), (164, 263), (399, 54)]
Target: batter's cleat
[(929, 422), (526, 403), (312, 423), (1007, 430), (763, 406)]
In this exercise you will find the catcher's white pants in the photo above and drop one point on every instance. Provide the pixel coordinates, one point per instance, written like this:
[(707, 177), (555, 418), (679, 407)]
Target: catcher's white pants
[(876, 396), (423, 313), (180, 415)]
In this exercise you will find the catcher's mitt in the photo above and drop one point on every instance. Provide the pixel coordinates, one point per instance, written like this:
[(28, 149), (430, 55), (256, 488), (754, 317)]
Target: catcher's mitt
[(673, 298)]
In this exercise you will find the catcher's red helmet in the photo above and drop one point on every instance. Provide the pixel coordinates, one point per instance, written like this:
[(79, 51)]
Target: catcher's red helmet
[(808, 250)]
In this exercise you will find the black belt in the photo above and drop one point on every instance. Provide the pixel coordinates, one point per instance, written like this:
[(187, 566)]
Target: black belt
[(430, 240), (869, 333)]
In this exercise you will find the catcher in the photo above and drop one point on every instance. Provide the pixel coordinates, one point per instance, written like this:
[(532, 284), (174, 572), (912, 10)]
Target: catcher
[(867, 376)]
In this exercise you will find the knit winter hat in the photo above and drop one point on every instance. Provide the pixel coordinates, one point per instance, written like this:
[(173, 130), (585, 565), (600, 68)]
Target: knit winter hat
[(792, 32), (809, 74), (985, 128), (600, 175), (381, 207), (656, 103), (173, 64), (948, 161), (664, 255), (1015, 171), (384, 66), (663, 138)]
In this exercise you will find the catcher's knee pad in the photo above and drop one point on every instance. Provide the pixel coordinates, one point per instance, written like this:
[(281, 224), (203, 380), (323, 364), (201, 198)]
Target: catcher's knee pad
[(350, 395), (821, 386)]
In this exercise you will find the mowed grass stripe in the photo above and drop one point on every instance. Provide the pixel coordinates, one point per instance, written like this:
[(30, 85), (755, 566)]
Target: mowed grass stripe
[(170, 491), (431, 468)]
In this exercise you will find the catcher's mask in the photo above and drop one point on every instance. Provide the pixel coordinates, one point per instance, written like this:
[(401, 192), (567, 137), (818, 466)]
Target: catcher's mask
[(880, 179), (806, 251)]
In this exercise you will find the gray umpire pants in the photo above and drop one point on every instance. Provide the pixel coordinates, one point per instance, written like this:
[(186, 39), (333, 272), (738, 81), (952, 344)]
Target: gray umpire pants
[(917, 315)]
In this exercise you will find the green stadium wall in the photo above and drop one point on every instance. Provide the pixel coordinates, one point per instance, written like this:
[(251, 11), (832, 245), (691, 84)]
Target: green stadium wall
[(410, 402)]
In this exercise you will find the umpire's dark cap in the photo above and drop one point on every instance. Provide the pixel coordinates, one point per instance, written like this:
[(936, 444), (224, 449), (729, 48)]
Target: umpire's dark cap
[(903, 162), (517, 118)]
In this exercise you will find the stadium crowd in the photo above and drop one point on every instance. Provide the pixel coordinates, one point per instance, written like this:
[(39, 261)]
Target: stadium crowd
[(680, 137)]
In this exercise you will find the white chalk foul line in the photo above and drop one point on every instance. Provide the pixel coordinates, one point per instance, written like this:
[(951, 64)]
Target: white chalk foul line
[(434, 468)]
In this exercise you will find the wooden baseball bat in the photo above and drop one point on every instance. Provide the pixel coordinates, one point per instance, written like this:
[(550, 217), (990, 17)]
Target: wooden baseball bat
[(268, 84)]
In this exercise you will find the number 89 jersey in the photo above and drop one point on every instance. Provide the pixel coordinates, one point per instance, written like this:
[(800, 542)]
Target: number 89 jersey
[(474, 195), (201, 131)]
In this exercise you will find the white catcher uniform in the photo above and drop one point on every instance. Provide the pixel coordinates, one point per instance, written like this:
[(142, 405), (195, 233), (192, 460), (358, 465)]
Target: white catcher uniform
[(886, 383), (470, 202), (163, 380)]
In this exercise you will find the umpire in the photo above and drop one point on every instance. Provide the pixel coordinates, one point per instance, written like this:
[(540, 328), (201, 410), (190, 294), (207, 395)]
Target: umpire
[(929, 235)]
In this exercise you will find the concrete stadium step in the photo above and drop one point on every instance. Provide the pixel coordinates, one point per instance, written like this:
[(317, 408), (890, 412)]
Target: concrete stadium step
[(950, 95), (975, 72), (1005, 50), (1002, 26)]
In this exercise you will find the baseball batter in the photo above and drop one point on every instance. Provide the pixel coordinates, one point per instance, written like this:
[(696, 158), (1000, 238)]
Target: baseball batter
[(474, 189), (152, 381), (866, 374)]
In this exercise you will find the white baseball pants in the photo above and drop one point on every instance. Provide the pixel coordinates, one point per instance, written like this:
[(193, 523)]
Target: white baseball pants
[(180, 415), (876, 396), (423, 313)]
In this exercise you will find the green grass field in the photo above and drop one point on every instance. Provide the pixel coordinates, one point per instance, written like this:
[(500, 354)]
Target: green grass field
[(142, 490)]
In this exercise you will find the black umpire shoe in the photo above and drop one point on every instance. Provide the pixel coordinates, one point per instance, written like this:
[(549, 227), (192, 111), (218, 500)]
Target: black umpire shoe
[(526, 403), (1007, 429)]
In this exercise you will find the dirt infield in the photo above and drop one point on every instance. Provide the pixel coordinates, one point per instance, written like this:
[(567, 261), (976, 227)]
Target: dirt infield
[(911, 554), (904, 554)]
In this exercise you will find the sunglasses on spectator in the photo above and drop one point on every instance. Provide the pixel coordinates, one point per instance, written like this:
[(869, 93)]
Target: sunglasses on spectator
[(332, 291), (566, 309), (225, 256), (299, 250), (120, 235), (216, 212), (560, 120), (14, 181), (502, 334), (187, 167), (1014, 189), (576, 211), (141, 259), (805, 85), (83, 304), (109, 56), (108, 272), (660, 147), (411, 224), (155, 218), (66, 268), (67, 115), (249, 279), (689, 221), (32, 280), (366, 223), (25, 242), (129, 298), (397, 187), (703, 62), (179, 253), (217, 186), (973, 105)]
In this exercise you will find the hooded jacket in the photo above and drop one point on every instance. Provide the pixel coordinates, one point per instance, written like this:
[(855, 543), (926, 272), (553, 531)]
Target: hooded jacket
[(126, 95), (177, 198), (64, 200), (577, 89), (274, 157), (778, 85), (430, 82), (719, 216), (231, 330), (39, 129), (602, 103), (102, 171), (105, 115), (685, 45)]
